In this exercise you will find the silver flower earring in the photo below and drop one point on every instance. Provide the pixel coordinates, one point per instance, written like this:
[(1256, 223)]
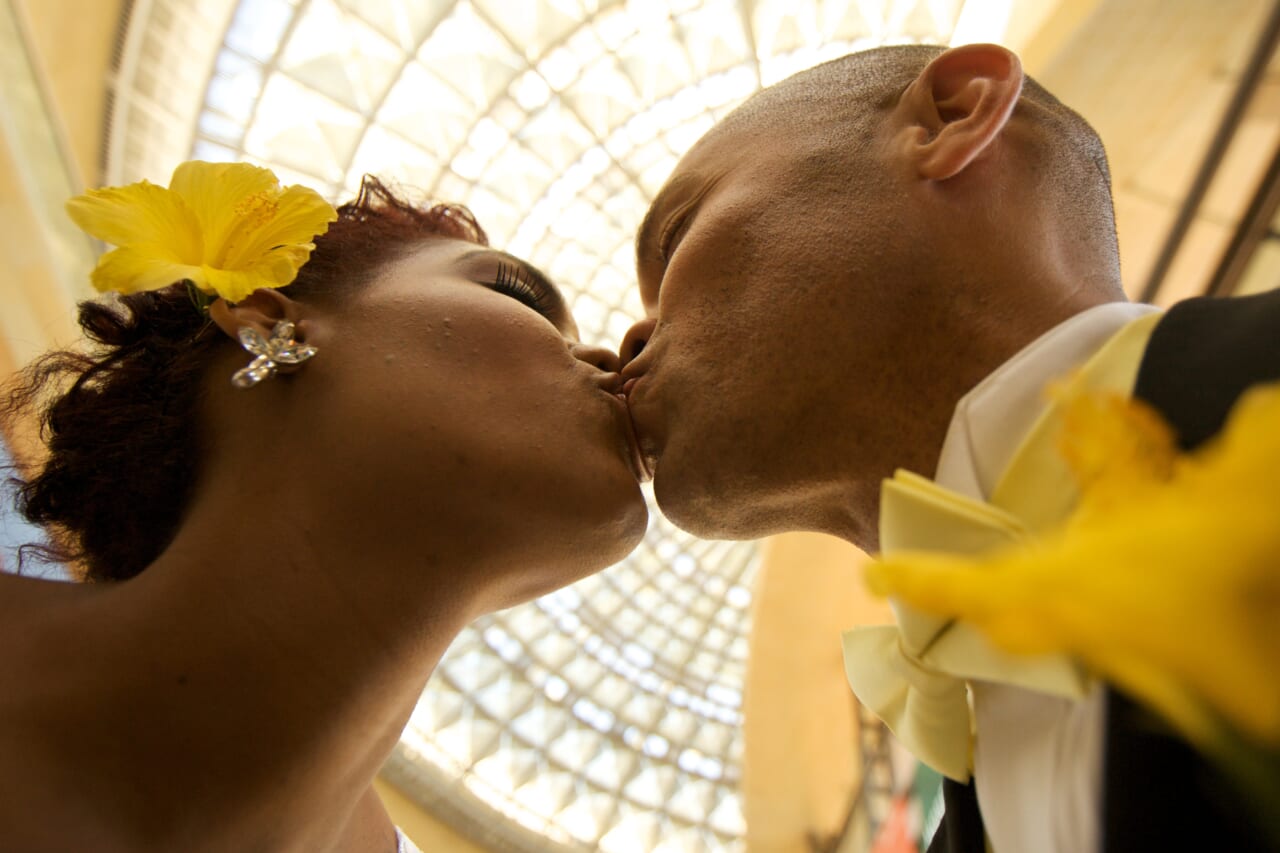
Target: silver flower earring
[(280, 349)]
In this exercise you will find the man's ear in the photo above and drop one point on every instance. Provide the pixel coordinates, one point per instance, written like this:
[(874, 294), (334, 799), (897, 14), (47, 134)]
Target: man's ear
[(958, 105), (260, 310)]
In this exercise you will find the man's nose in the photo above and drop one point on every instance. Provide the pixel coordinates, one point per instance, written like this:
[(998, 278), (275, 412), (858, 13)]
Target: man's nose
[(634, 342), (602, 358)]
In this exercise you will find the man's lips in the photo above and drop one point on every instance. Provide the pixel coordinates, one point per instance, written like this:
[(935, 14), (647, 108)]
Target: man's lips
[(642, 470), (641, 421)]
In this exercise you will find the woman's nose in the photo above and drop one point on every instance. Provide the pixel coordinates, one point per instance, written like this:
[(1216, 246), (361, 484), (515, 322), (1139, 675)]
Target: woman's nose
[(602, 358), (636, 338)]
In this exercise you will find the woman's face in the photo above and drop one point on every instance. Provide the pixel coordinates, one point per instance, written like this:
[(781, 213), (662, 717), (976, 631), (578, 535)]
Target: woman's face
[(465, 403)]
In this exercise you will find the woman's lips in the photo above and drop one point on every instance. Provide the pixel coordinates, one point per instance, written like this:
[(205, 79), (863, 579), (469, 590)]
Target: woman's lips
[(647, 438), (643, 473)]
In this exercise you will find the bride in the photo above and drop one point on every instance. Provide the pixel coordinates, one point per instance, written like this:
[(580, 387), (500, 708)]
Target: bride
[(274, 563)]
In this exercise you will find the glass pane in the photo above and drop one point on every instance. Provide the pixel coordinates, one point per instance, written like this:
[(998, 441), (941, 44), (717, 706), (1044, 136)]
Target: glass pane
[(298, 127), (335, 53)]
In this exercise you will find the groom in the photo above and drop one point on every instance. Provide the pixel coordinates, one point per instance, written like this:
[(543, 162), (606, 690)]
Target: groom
[(878, 265)]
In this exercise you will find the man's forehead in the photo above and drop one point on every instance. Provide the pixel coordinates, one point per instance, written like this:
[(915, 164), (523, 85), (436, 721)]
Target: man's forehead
[(707, 160)]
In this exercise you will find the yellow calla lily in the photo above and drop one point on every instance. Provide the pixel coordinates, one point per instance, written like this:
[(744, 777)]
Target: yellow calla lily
[(1166, 581), (228, 228)]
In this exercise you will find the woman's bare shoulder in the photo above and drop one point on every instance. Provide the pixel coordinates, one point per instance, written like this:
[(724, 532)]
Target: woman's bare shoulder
[(25, 600)]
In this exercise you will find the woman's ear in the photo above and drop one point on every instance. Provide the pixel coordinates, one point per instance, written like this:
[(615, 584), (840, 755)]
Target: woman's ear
[(958, 106), (260, 310)]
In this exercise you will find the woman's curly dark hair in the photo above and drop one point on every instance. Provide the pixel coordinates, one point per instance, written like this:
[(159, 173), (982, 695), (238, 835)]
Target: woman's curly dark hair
[(119, 421)]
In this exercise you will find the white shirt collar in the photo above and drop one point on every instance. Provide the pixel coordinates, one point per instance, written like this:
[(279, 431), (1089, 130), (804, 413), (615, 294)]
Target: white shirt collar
[(992, 419)]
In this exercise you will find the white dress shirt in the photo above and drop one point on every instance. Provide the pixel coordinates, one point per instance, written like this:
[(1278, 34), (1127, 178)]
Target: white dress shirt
[(403, 844), (1037, 758)]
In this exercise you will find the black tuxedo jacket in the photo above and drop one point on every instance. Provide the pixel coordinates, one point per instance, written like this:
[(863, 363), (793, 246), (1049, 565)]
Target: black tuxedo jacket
[(1158, 793)]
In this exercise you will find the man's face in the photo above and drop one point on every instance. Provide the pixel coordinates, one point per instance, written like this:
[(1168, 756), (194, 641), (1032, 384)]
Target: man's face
[(754, 263)]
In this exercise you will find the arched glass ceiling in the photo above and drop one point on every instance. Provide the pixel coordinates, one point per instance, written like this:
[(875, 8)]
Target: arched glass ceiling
[(607, 715)]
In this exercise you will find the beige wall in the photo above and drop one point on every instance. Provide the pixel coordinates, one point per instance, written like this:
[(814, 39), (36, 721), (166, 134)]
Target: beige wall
[(72, 41), (801, 763), (1154, 78), (54, 55)]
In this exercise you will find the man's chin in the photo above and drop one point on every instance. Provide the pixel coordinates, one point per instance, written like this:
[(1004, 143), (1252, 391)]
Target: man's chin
[(704, 506)]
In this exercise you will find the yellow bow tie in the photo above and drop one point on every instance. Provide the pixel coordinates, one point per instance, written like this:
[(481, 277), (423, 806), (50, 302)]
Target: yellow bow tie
[(913, 675)]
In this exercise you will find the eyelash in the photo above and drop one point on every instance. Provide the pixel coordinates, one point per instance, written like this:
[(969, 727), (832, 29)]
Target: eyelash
[(514, 282)]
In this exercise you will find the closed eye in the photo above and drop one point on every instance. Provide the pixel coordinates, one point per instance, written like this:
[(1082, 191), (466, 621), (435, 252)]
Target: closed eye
[(516, 282), (676, 228)]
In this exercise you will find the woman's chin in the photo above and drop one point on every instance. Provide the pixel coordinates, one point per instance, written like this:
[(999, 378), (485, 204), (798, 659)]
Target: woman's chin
[(614, 518), (631, 521), (631, 527), (586, 550), (608, 537)]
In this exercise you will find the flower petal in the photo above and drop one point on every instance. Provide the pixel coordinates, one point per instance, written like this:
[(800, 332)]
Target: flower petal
[(276, 269), (1116, 447), (137, 214), (229, 228), (296, 216), (215, 192), (131, 269), (1171, 593), (232, 285)]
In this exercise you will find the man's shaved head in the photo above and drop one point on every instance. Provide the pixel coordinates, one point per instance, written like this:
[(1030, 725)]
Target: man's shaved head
[(841, 101)]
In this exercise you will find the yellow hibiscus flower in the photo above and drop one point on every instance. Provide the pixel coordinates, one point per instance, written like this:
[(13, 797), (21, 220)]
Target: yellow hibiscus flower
[(1165, 581), (228, 228)]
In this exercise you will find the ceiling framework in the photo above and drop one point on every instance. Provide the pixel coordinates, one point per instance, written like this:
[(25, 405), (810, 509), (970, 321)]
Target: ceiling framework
[(556, 121), (184, 83), (607, 715)]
